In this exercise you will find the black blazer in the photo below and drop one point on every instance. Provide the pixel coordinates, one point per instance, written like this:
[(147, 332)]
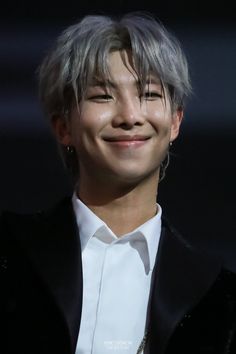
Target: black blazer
[(192, 307)]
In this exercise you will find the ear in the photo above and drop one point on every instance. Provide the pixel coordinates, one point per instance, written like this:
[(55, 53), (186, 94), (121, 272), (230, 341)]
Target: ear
[(61, 129), (177, 118)]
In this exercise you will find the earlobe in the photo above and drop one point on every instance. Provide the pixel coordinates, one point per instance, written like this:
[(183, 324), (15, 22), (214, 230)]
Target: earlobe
[(176, 123), (61, 130)]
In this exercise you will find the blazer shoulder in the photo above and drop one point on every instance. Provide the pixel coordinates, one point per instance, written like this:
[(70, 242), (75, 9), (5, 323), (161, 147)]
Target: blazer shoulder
[(203, 260), (187, 243), (227, 281), (9, 218), (14, 225)]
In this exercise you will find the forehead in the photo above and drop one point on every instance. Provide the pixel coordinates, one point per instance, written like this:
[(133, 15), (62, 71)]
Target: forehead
[(121, 70), (121, 62)]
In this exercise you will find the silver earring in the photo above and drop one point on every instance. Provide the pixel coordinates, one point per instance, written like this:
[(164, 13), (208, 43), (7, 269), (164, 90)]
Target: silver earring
[(66, 113), (170, 143), (70, 149), (164, 166)]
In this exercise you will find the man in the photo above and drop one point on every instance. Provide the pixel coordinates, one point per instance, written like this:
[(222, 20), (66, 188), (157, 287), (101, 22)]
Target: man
[(104, 272)]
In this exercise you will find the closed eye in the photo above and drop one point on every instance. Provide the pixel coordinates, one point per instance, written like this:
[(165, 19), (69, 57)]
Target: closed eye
[(100, 98), (151, 95)]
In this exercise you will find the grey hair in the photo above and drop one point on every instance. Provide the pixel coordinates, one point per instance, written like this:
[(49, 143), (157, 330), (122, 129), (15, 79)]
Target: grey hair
[(81, 53)]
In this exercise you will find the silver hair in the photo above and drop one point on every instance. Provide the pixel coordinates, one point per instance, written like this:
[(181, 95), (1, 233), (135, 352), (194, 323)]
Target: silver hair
[(81, 52)]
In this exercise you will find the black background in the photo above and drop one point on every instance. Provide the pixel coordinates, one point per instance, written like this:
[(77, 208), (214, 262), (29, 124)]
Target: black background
[(198, 193)]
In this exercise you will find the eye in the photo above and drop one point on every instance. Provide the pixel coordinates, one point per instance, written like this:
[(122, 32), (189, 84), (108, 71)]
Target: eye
[(100, 98), (151, 95)]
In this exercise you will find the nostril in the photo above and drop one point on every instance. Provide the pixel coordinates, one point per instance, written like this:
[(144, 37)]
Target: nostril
[(126, 124)]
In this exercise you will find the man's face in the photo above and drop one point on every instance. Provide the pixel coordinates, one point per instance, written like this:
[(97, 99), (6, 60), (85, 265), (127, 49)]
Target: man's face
[(117, 134)]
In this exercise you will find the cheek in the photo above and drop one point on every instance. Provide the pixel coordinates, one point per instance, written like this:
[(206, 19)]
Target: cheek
[(161, 123), (92, 120), (158, 114), (88, 126)]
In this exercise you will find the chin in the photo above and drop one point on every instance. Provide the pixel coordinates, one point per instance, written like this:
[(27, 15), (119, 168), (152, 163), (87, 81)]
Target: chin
[(134, 177)]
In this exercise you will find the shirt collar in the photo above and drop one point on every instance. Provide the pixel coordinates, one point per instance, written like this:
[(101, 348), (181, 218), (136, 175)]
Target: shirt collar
[(151, 230), (91, 225), (88, 222)]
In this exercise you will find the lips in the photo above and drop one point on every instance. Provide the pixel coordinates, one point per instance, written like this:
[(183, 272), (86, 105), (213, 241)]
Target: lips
[(124, 142), (126, 138)]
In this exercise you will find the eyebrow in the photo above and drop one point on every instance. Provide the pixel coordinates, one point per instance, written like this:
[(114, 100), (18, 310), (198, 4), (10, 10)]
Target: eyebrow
[(102, 83), (108, 83)]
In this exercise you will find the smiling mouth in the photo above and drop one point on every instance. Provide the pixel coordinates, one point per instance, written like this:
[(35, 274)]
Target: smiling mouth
[(126, 138), (127, 141)]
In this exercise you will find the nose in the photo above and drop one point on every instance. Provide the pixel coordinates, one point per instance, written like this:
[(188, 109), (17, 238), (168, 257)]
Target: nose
[(128, 113)]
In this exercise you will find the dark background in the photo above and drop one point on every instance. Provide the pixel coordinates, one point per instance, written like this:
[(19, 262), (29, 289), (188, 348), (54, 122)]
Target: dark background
[(198, 194)]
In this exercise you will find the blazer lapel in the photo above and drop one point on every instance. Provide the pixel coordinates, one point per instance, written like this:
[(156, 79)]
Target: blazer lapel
[(181, 278), (52, 243)]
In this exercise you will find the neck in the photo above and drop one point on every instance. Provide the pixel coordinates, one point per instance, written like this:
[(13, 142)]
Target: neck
[(122, 208)]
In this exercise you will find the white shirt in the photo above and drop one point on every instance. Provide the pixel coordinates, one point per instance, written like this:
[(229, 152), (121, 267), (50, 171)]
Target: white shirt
[(116, 282)]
